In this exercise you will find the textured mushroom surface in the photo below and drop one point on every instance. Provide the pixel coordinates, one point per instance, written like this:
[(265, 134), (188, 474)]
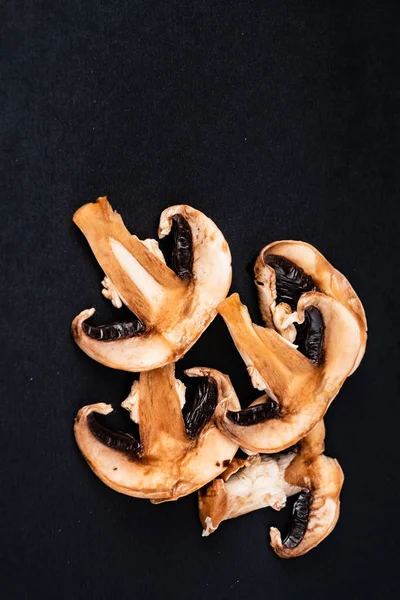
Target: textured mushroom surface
[(314, 339), (177, 452), (172, 307), (262, 481)]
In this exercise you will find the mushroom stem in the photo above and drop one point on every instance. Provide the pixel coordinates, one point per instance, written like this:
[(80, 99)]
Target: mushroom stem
[(262, 349), (137, 273), (303, 389), (160, 421)]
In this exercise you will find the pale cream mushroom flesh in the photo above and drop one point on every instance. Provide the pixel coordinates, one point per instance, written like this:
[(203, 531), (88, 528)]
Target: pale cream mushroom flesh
[(177, 453), (315, 338), (172, 307), (261, 481)]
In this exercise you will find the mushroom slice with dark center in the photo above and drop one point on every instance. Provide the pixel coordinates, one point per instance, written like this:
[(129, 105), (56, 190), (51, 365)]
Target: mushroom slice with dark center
[(120, 330), (262, 481), (284, 271), (172, 306), (299, 388), (254, 414), (172, 458), (316, 510)]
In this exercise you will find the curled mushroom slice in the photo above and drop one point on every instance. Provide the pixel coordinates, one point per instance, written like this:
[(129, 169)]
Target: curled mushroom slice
[(287, 269), (177, 453), (300, 385), (172, 307), (262, 481), (316, 510)]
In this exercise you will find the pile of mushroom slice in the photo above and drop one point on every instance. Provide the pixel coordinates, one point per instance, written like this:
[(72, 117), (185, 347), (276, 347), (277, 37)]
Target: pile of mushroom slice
[(314, 338)]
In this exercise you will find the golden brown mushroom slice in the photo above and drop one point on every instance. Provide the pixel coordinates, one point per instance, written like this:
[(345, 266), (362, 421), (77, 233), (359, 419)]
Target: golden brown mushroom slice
[(262, 481), (177, 453), (172, 307)]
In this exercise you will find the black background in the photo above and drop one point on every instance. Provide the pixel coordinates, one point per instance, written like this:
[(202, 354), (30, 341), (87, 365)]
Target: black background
[(279, 119)]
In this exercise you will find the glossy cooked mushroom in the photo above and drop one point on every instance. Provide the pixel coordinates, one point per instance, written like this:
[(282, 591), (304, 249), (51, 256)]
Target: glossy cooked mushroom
[(177, 453), (172, 307), (325, 319), (261, 481)]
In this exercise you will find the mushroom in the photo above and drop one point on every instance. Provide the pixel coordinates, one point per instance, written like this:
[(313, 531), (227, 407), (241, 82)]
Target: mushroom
[(177, 453), (287, 269), (172, 307), (324, 317), (261, 481)]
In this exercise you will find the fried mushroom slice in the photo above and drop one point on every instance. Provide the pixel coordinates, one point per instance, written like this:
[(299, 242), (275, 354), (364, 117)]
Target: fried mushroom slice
[(262, 481), (287, 269), (176, 453), (300, 387), (172, 307)]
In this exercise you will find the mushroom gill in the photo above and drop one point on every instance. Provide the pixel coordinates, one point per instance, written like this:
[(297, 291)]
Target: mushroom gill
[(172, 307), (177, 453), (287, 269)]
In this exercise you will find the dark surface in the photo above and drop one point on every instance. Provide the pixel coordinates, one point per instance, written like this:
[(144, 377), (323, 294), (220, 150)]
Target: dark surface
[(279, 120)]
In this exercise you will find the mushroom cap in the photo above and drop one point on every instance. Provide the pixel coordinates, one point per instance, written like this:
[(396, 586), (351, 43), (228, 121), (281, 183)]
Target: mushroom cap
[(302, 390), (172, 309), (168, 462)]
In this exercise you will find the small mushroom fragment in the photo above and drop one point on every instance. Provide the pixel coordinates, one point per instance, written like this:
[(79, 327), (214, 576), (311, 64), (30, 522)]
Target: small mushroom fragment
[(177, 453), (261, 481), (172, 307), (323, 316)]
